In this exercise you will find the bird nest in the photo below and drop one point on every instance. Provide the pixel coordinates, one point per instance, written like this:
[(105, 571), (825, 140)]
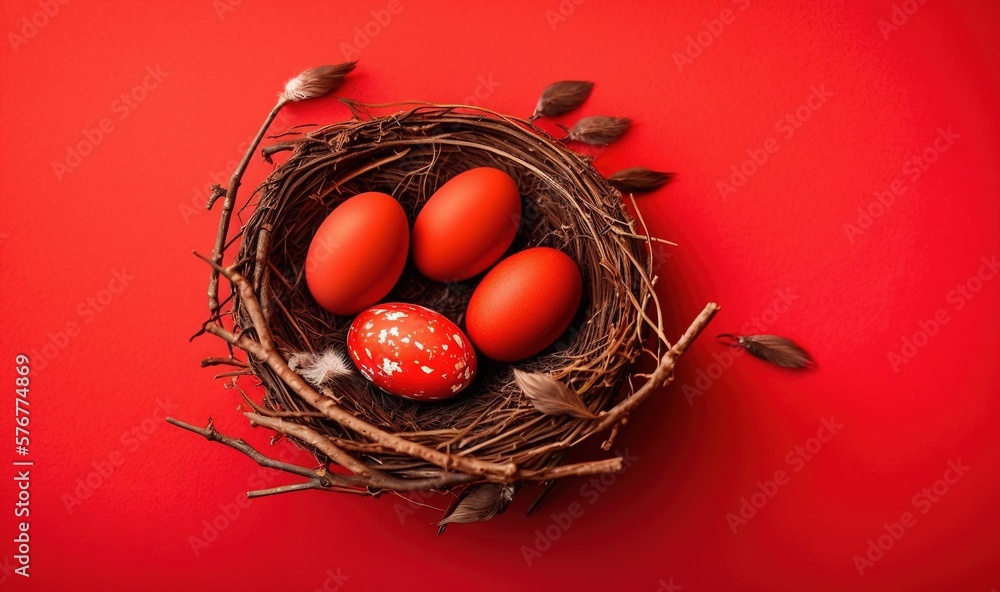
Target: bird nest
[(513, 425)]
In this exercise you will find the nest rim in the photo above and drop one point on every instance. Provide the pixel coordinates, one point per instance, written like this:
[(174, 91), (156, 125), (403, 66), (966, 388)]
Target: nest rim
[(611, 254), (359, 449)]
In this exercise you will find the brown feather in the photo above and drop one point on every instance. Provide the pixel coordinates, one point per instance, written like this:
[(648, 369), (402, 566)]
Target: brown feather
[(317, 82), (780, 351), (639, 180), (562, 97), (550, 396), (478, 503), (598, 129)]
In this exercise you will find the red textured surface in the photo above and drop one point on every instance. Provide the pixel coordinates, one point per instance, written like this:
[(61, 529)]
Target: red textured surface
[(97, 272)]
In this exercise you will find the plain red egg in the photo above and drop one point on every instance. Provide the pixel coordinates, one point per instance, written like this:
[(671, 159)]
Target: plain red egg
[(524, 304), (358, 253), (467, 225), (411, 351)]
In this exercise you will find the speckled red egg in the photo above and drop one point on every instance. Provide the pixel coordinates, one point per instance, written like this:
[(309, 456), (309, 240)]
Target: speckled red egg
[(358, 253), (467, 225), (411, 351), (524, 304)]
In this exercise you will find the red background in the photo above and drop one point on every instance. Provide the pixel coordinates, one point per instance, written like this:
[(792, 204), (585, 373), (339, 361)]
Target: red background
[(129, 205)]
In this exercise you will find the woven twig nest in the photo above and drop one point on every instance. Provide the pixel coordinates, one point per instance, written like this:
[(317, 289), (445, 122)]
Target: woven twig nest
[(515, 422)]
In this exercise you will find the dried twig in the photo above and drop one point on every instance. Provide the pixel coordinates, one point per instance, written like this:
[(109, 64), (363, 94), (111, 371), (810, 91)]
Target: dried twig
[(307, 85)]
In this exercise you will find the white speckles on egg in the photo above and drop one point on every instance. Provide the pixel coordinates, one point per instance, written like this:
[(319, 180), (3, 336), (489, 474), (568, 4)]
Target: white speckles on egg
[(405, 339), (395, 315), (444, 347), (419, 345), (369, 325), (394, 331), (368, 353), (427, 369), (389, 366), (458, 340)]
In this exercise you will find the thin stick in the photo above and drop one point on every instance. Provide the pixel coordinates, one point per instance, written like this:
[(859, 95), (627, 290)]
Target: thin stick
[(312, 439), (230, 361), (662, 374), (210, 434), (302, 487), (230, 202), (264, 351)]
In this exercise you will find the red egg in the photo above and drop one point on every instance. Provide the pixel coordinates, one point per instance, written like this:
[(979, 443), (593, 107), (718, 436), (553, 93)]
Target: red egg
[(467, 225), (411, 351), (358, 253), (524, 304)]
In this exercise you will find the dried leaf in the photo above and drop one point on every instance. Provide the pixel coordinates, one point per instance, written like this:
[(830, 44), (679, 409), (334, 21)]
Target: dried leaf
[(639, 180), (478, 503), (777, 350), (550, 396), (562, 97), (316, 82), (598, 129)]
